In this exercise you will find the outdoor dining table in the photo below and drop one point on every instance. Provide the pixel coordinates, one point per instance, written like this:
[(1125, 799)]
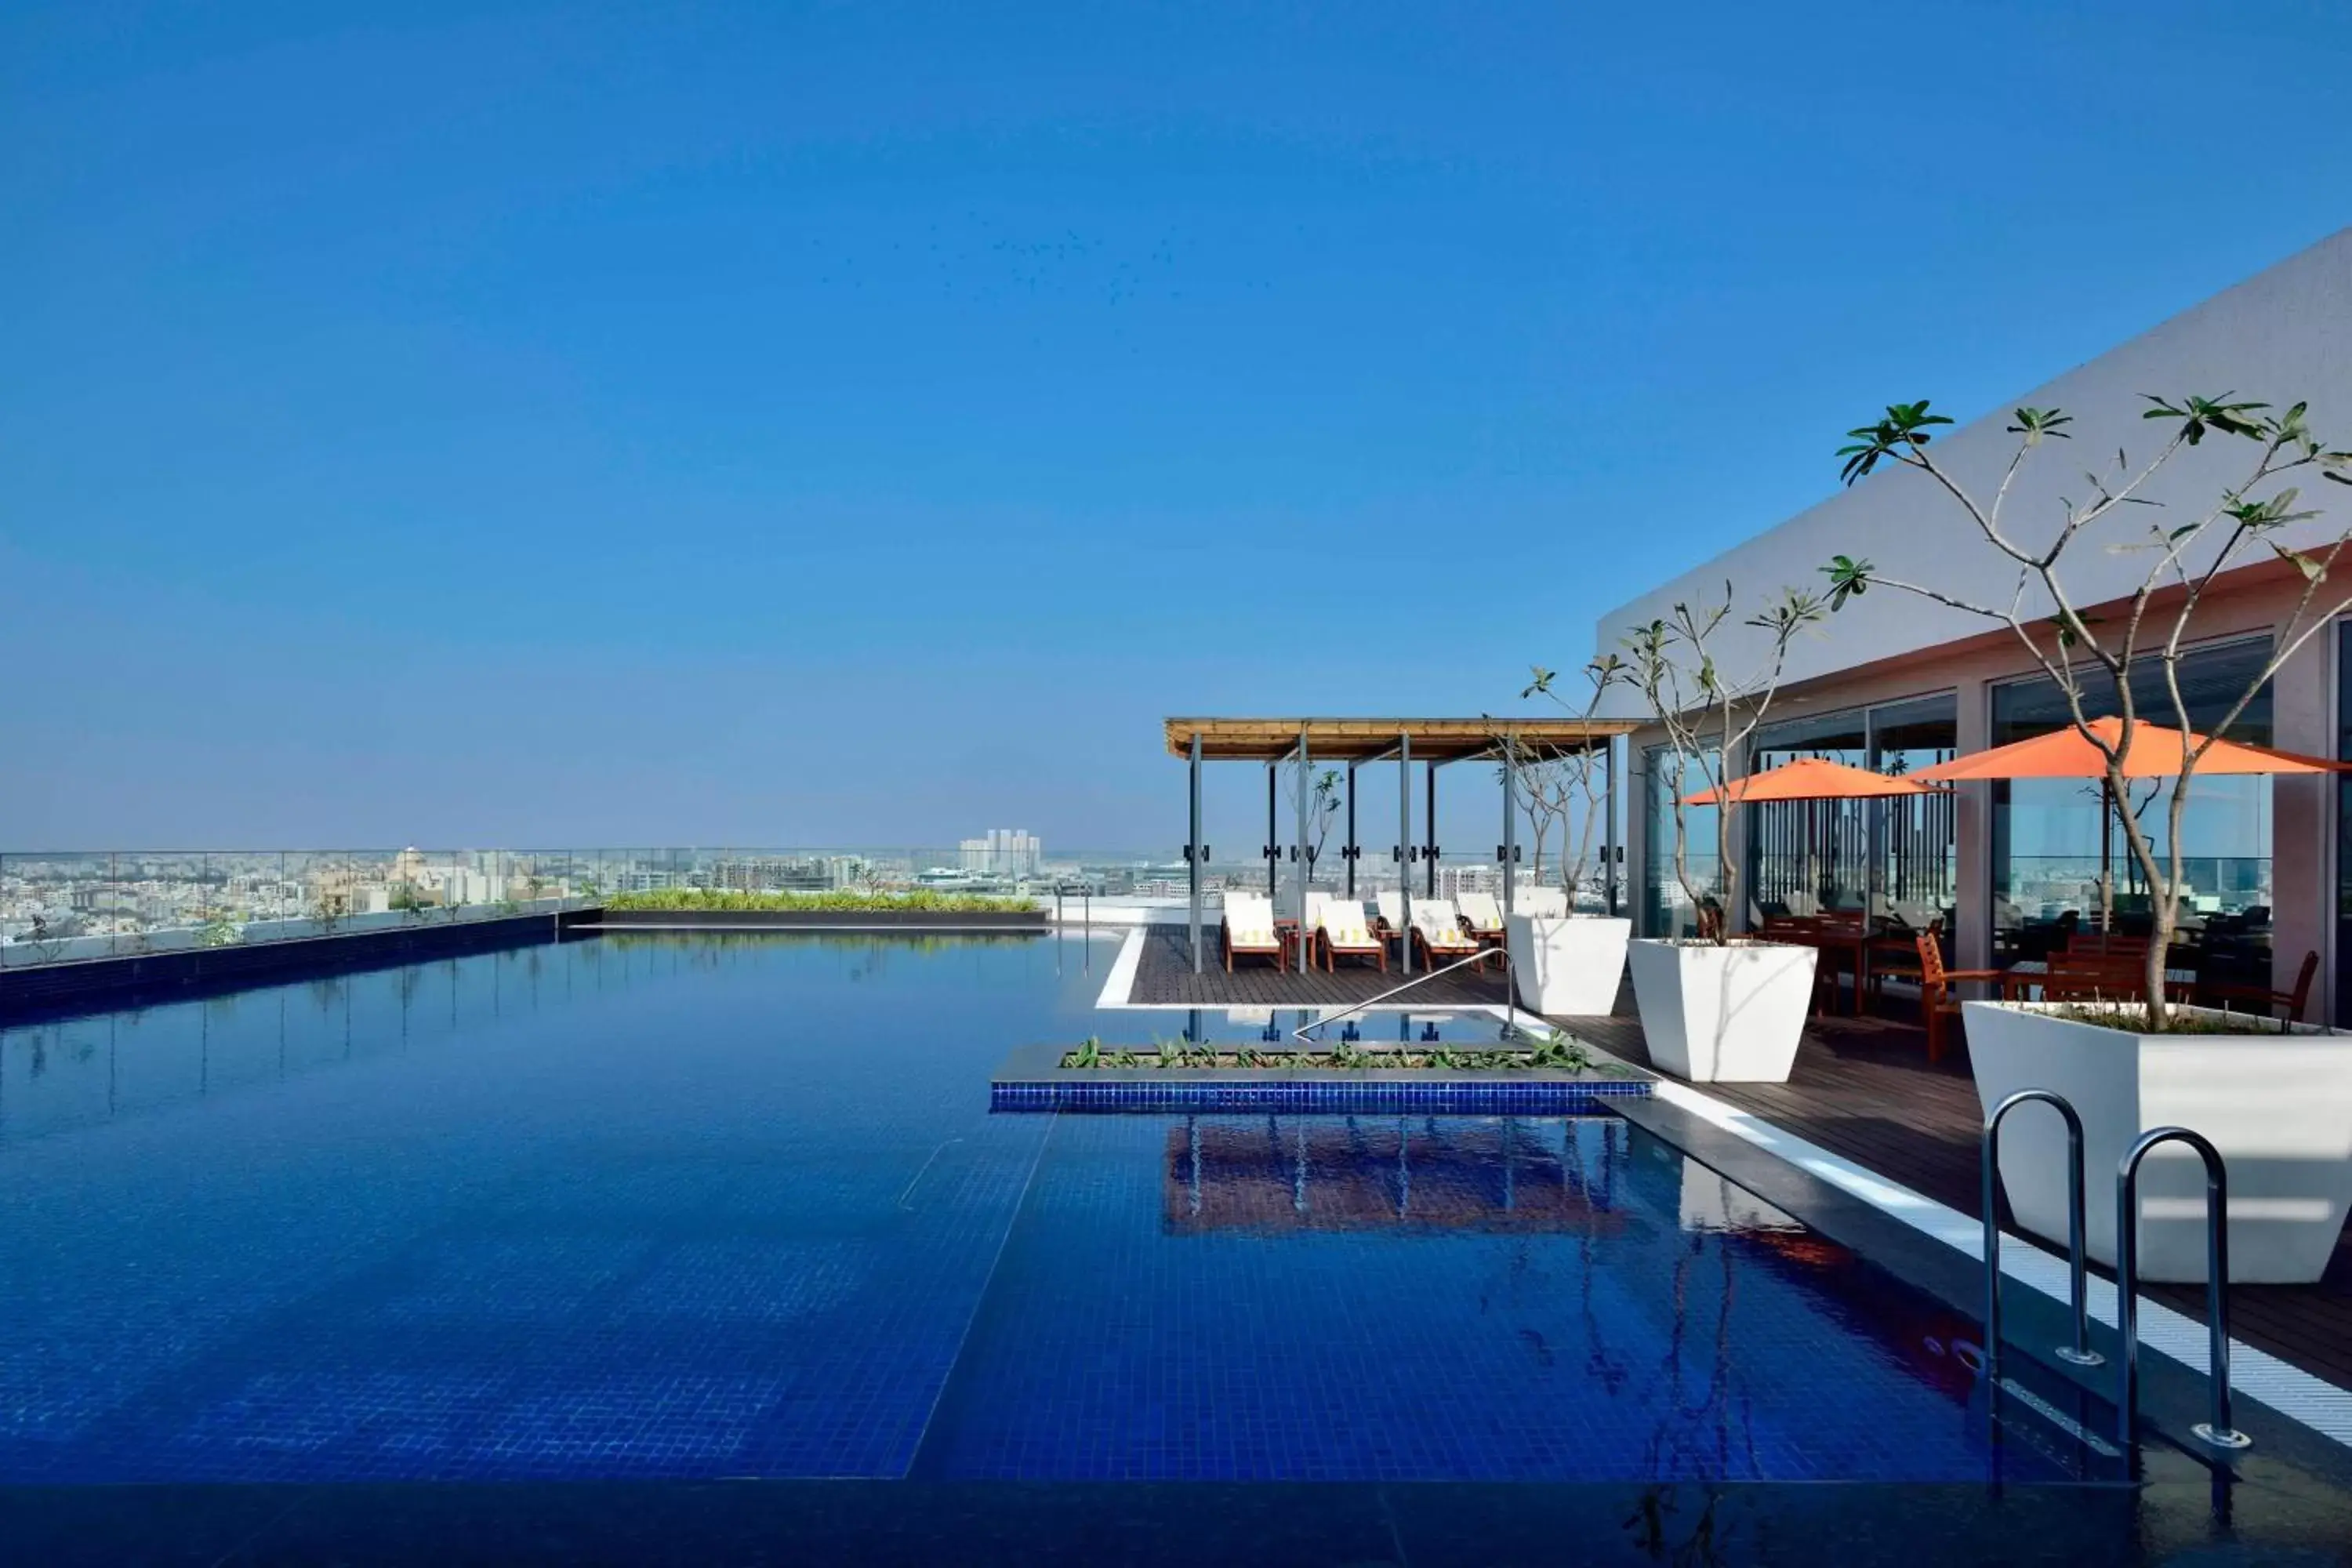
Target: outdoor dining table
[(1847, 945), (2027, 974)]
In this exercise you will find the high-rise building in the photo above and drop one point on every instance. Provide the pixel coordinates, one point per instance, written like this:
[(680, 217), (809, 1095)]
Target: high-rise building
[(1004, 852)]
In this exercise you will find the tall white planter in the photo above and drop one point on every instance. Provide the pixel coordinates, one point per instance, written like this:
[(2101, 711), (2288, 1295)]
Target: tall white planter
[(1569, 966), (2278, 1107), (1723, 1015)]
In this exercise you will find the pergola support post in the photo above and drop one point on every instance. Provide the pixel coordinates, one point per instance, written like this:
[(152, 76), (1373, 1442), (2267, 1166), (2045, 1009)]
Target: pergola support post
[(1350, 854), (1305, 849), (1273, 836), (1404, 844), (1194, 853), (1510, 813), (1429, 831)]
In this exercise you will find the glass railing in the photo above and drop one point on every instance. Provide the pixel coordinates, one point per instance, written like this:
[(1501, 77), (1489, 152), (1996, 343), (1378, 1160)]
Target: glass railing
[(59, 907)]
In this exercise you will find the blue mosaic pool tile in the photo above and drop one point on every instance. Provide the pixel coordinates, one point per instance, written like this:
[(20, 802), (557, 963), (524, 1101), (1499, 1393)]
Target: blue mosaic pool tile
[(1418, 1298), (1457, 1095), (686, 1209)]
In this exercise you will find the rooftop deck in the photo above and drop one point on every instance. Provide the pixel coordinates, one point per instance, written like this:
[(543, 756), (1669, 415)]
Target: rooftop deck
[(1862, 1089)]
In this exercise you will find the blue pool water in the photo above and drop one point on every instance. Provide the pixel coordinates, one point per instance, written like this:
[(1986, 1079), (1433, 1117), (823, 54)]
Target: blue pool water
[(668, 1205)]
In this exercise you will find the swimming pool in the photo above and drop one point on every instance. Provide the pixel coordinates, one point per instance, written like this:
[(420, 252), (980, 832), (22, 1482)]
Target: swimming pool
[(698, 1206)]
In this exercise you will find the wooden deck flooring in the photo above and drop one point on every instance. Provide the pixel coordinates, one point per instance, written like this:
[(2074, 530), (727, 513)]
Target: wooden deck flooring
[(1862, 1089)]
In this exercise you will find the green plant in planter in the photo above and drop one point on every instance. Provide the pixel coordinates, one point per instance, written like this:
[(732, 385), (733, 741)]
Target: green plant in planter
[(1246, 1056), (1089, 1054), (1567, 1056), (1709, 713), (1125, 1058)]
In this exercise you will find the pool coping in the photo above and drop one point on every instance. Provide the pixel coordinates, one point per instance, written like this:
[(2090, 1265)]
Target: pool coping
[(2311, 1403)]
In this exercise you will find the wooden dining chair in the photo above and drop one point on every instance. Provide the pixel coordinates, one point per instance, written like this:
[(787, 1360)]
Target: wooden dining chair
[(1937, 1002), (2263, 996)]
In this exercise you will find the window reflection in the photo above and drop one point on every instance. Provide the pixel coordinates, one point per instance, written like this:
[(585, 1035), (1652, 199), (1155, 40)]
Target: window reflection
[(1666, 907), (1893, 857), (2052, 840)]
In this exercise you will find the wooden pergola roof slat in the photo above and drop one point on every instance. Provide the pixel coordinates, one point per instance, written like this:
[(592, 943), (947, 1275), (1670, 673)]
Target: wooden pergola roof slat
[(1355, 739)]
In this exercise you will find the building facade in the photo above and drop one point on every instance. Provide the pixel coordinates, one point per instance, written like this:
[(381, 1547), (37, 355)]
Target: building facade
[(1899, 682)]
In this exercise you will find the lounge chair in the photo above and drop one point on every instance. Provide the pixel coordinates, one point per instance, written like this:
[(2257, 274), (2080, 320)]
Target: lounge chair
[(1483, 915), (1316, 900), (1249, 930), (1439, 932), (1344, 934)]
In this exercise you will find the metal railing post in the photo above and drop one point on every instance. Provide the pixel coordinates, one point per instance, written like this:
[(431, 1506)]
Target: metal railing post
[(2218, 1431), (2077, 1243)]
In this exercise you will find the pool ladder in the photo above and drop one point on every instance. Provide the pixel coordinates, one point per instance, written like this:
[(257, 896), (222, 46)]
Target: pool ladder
[(2218, 1432)]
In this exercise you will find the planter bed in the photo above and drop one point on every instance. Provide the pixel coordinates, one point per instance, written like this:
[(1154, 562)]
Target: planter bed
[(1016, 921), (1035, 1078)]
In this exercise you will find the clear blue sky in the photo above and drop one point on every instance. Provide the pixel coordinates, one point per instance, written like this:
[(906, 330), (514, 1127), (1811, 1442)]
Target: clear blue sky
[(862, 423)]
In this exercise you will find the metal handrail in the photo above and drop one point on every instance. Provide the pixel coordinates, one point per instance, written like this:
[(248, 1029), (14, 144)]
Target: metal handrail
[(1300, 1033), (2218, 1432), (2077, 1243)]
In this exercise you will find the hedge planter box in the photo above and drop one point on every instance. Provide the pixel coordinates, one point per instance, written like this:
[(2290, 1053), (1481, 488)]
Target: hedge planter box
[(1568, 965), (2278, 1107), (824, 919), (1732, 1014)]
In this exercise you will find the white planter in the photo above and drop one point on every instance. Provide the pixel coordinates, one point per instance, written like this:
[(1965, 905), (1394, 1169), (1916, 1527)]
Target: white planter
[(1569, 966), (2278, 1107), (1723, 1015)]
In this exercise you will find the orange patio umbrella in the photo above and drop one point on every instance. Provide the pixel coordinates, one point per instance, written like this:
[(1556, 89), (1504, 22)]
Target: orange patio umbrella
[(2156, 752), (1809, 778)]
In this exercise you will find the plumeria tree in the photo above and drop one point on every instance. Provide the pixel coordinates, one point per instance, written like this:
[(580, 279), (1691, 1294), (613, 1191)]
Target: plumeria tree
[(2184, 555), (1676, 663), (1322, 788), (1553, 786)]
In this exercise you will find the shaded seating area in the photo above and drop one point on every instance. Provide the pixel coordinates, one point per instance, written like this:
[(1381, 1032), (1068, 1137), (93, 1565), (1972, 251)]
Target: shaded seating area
[(1342, 748)]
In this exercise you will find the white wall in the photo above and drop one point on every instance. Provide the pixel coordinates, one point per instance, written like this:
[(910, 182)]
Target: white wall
[(2283, 336)]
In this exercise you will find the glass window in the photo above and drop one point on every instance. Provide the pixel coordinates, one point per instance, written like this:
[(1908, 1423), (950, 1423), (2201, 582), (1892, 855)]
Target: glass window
[(1894, 856), (1667, 908), (1806, 857), (1916, 868), (2343, 823), (2053, 840)]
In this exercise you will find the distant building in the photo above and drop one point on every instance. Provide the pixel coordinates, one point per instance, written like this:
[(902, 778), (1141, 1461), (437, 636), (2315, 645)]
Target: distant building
[(1453, 881), (1004, 852)]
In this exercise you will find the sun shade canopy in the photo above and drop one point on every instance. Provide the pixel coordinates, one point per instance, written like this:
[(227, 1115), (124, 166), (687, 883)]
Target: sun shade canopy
[(1361, 740), (2156, 752), (1811, 778)]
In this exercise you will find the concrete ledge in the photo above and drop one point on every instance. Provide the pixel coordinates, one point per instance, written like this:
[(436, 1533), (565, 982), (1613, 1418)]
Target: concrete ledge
[(138, 978)]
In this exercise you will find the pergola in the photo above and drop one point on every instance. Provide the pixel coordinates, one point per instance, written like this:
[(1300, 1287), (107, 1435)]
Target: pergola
[(1360, 741)]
